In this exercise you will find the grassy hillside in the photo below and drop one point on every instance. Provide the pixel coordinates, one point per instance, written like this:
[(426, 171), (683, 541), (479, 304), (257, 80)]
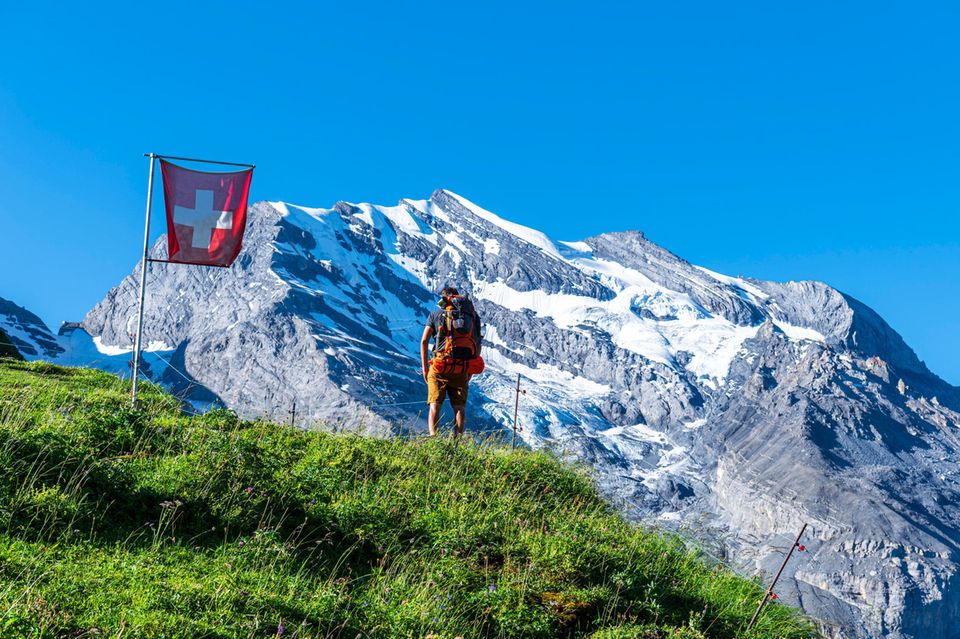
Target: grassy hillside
[(122, 524)]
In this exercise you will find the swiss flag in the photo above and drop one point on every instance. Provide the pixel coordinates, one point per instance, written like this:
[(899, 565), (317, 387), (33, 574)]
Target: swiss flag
[(206, 214)]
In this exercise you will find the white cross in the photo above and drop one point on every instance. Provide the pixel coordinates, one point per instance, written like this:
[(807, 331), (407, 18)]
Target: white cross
[(204, 218)]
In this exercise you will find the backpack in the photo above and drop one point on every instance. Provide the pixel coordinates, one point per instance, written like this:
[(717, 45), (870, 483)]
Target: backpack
[(458, 339)]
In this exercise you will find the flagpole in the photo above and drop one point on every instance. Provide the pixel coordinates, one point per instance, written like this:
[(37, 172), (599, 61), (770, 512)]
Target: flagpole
[(143, 284)]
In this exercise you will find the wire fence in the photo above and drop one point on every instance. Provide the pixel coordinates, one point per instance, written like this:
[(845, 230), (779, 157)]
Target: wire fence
[(403, 431), (170, 365), (419, 401)]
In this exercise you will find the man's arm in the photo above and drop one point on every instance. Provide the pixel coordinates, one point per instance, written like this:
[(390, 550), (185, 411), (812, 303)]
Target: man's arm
[(479, 331), (424, 347)]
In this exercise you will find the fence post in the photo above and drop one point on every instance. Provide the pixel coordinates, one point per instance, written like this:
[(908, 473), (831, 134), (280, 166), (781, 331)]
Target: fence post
[(766, 595), (516, 410)]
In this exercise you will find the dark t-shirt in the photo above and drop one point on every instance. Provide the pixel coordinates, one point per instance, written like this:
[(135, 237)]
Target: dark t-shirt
[(436, 321)]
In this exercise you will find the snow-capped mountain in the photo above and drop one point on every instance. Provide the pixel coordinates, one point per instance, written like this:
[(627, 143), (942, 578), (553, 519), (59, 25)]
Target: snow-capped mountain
[(27, 332), (733, 407)]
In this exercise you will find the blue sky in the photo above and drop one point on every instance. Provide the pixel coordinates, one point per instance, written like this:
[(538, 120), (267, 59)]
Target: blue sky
[(804, 141)]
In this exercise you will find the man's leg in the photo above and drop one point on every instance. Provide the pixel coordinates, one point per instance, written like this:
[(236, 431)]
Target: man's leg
[(434, 417), (458, 389), (460, 415), (436, 393)]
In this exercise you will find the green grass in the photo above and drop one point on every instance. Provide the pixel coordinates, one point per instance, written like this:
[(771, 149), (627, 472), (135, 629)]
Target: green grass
[(115, 523)]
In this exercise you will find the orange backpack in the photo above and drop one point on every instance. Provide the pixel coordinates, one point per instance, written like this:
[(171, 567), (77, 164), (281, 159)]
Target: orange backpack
[(458, 339)]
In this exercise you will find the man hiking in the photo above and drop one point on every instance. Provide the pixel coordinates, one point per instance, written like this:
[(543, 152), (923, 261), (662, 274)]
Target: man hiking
[(455, 330)]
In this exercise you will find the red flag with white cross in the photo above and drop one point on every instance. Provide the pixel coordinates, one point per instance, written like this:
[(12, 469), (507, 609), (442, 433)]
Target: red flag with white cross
[(206, 214)]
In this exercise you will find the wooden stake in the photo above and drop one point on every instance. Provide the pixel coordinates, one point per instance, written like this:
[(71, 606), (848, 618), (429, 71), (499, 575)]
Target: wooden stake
[(516, 409), (767, 594)]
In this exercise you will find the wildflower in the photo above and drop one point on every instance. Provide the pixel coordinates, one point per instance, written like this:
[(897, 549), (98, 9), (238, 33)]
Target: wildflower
[(280, 628), (241, 543), (443, 551), (249, 490), (493, 588), (449, 597), (387, 588), (436, 619)]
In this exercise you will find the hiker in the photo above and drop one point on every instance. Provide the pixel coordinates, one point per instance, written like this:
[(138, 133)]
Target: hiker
[(455, 329)]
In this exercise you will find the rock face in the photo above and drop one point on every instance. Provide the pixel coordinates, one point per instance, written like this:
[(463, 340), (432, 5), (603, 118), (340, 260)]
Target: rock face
[(733, 408), (26, 332)]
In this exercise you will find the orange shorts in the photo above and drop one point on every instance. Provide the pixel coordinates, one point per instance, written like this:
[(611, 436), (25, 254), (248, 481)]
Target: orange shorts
[(439, 385)]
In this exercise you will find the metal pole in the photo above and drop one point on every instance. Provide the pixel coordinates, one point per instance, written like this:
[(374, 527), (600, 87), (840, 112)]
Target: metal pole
[(143, 285), (516, 409), (766, 595)]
